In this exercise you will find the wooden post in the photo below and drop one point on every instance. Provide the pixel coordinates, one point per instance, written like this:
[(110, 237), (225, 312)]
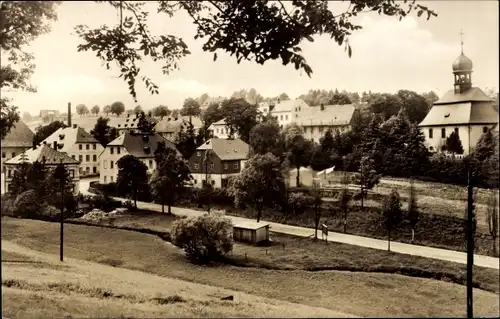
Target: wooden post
[(470, 243)]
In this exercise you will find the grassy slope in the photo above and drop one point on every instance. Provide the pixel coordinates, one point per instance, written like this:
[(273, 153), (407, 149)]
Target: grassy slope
[(365, 294)]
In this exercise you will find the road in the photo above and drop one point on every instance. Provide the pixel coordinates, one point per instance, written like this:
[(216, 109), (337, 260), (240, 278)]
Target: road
[(429, 252)]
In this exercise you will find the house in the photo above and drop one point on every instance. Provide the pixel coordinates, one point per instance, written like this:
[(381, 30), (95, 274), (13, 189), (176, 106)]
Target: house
[(142, 146), (47, 155), (466, 110), (169, 127), (251, 232), (48, 116), (79, 145), (317, 120), (285, 112), (217, 160), (17, 141), (220, 129), (127, 122)]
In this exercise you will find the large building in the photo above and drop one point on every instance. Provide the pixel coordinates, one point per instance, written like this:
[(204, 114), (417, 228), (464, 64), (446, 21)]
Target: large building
[(17, 141), (47, 155), (465, 109), (317, 120), (217, 160), (286, 112), (220, 129), (170, 127), (142, 146), (127, 123)]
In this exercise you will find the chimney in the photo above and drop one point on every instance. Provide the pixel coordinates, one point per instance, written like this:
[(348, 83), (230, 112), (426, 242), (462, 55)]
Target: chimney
[(55, 145), (322, 107), (69, 114)]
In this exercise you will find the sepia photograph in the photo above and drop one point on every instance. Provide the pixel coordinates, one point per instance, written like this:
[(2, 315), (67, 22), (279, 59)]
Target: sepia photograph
[(258, 159)]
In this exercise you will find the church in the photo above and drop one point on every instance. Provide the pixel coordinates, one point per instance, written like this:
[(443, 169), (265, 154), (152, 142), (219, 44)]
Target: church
[(466, 110)]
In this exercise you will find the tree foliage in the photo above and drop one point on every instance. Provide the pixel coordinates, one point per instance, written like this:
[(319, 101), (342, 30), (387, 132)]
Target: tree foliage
[(493, 217), (161, 111), (132, 176), (42, 132), (145, 124), (187, 141), (106, 109), (95, 110), (240, 117), (82, 109), (367, 177), (412, 213), (103, 132), (392, 213), (117, 108), (298, 148), (266, 137), (453, 144), (190, 107)]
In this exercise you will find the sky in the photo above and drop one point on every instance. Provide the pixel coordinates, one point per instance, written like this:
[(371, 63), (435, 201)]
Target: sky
[(388, 55)]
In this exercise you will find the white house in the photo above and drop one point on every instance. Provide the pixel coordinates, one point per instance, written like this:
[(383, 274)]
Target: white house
[(220, 129), (79, 145), (126, 122), (142, 146), (465, 110), (285, 112), (169, 127), (18, 140)]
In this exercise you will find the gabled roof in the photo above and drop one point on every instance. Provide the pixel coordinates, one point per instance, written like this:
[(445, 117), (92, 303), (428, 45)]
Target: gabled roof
[(126, 122), (472, 95), (171, 125), (69, 136), (140, 145), (226, 149), (41, 153), (20, 135), (289, 105), (220, 122), (461, 114), (331, 115)]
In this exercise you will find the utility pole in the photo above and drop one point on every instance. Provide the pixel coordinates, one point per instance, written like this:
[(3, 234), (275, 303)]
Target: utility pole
[(470, 241), (208, 185)]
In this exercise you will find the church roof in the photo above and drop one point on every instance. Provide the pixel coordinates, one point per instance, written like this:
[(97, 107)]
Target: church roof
[(462, 63), (20, 135), (472, 95), (461, 114)]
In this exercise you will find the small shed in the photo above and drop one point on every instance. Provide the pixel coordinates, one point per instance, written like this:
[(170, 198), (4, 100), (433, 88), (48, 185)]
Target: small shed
[(251, 232)]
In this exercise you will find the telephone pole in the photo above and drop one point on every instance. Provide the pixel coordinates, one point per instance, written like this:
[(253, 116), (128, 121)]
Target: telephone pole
[(470, 241)]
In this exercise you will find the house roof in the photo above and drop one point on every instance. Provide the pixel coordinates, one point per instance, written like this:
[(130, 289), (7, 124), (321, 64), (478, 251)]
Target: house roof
[(226, 149), (461, 113), (289, 105), (69, 136), (20, 135), (331, 115), (471, 95), (140, 145), (220, 122), (250, 224), (126, 122), (171, 125), (51, 156)]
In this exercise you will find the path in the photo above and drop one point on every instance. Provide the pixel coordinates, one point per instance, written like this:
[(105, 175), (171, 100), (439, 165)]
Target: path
[(423, 251)]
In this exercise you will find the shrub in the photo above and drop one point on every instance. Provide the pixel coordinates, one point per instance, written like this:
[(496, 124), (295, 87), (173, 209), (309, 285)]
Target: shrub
[(204, 238), (7, 205), (50, 213), (103, 203), (299, 202), (27, 205)]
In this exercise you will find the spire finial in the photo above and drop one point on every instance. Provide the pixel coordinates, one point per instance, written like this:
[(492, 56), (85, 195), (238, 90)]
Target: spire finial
[(462, 40)]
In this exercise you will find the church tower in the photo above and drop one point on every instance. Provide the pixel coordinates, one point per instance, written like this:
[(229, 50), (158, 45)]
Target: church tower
[(462, 70)]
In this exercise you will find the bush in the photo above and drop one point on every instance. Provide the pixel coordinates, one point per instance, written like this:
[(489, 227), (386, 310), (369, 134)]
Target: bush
[(204, 238), (7, 205), (103, 203), (27, 205), (50, 213), (299, 202)]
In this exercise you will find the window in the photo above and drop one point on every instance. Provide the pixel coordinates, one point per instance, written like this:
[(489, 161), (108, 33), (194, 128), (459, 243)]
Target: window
[(213, 182), (3, 154), (286, 116), (111, 164), (281, 117), (80, 158), (456, 130), (105, 179), (485, 129), (73, 156), (112, 179), (87, 169), (105, 164), (226, 166), (212, 166), (87, 158), (150, 163), (87, 146), (196, 166), (217, 130), (94, 157), (431, 148), (235, 165), (13, 154), (111, 150), (118, 150), (430, 133), (443, 133), (80, 147), (94, 169), (9, 173), (94, 146)]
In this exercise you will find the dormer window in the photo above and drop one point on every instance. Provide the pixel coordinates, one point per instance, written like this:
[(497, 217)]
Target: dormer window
[(125, 125), (447, 115), (119, 125)]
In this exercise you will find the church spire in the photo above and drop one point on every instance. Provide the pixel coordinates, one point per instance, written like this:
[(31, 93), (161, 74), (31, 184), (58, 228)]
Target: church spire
[(462, 40)]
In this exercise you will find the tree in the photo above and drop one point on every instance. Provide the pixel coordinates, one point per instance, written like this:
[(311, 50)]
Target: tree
[(253, 97), (230, 29), (161, 111), (240, 117), (175, 113), (42, 132), (19, 183), (95, 110), (416, 105), (132, 176), (493, 217), (283, 97), (103, 132), (117, 108), (345, 199), (190, 108), (412, 213), (170, 177), (81, 109), (485, 147), (186, 141), (37, 177), (266, 137), (392, 214), (202, 99), (297, 147), (385, 105), (20, 24), (107, 109), (367, 177), (212, 114), (27, 117), (145, 125), (261, 183), (453, 144), (138, 110), (316, 204)]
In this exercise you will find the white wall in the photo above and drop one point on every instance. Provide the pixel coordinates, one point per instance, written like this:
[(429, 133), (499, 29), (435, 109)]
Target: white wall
[(108, 174), (476, 131), (87, 166), (198, 179), (314, 132), (221, 131), (284, 117)]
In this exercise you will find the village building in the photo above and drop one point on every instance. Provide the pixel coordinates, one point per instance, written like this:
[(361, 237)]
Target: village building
[(142, 146), (286, 112), (127, 123), (170, 127), (48, 116), (465, 110), (17, 141), (217, 160), (49, 157), (221, 130), (315, 121)]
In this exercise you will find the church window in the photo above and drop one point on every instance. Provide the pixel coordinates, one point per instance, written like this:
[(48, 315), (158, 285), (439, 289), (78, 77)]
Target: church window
[(443, 133), (485, 129), (430, 133)]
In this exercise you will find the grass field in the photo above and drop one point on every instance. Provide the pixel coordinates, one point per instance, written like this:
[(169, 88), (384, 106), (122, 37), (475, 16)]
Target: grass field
[(363, 294)]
